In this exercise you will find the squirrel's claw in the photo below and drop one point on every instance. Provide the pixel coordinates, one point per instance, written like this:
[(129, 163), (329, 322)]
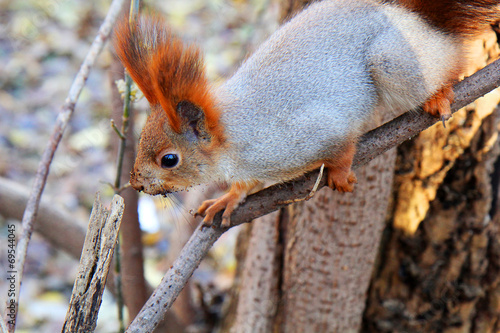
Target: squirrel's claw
[(228, 202), (439, 105), (203, 207), (444, 118)]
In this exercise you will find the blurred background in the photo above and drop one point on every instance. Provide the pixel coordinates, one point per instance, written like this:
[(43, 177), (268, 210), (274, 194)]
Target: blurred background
[(42, 45)]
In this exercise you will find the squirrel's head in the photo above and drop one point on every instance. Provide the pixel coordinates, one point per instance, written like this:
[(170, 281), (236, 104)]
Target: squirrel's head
[(182, 133), (168, 161)]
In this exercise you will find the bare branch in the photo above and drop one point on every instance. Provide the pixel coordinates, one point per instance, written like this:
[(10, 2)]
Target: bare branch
[(61, 229), (272, 198), (96, 259), (61, 123)]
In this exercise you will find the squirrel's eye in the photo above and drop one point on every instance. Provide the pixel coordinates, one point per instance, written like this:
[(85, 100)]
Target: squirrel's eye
[(169, 161)]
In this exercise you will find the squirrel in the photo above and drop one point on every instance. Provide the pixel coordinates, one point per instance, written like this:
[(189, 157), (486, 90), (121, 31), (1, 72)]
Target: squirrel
[(300, 101)]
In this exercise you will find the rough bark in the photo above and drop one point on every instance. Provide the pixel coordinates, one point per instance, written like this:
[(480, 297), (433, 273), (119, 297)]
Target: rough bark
[(439, 267), (97, 256), (330, 248), (257, 302)]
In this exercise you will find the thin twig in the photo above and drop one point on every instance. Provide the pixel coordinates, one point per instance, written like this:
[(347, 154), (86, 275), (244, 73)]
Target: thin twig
[(122, 134), (313, 191), (268, 200), (117, 130), (48, 154)]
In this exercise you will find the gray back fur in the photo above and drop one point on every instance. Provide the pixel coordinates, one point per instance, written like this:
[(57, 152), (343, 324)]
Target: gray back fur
[(313, 86)]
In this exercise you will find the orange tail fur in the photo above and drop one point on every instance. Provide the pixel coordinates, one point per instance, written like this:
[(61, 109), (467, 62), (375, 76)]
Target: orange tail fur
[(463, 17)]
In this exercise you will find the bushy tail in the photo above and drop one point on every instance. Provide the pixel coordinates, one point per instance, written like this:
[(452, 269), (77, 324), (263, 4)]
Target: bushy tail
[(462, 17)]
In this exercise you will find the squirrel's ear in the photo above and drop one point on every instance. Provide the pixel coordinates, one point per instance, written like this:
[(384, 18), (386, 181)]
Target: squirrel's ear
[(193, 122), (168, 72)]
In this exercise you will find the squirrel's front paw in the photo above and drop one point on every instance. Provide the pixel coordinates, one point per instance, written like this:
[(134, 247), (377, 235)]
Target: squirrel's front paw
[(228, 202), (209, 208)]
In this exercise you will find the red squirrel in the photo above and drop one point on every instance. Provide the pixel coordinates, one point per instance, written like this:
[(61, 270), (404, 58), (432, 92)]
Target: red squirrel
[(300, 101)]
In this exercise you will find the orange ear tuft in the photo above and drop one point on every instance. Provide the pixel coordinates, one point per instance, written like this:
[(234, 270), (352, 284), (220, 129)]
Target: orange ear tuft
[(166, 71), (133, 47), (178, 75)]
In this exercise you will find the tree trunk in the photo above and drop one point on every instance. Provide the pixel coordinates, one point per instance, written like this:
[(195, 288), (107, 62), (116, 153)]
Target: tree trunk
[(439, 268), (258, 297), (309, 267), (330, 247)]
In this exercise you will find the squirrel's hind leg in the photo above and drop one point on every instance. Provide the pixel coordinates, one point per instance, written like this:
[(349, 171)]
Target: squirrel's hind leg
[(340, 177), (439, 104), (228, 202)]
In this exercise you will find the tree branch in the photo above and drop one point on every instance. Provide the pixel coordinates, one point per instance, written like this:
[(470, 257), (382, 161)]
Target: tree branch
[(61, 123), (272, 198), (97, 255), (61, 229)]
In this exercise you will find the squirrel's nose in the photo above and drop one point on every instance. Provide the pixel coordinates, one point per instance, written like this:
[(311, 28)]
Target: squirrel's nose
[(135, 181)]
